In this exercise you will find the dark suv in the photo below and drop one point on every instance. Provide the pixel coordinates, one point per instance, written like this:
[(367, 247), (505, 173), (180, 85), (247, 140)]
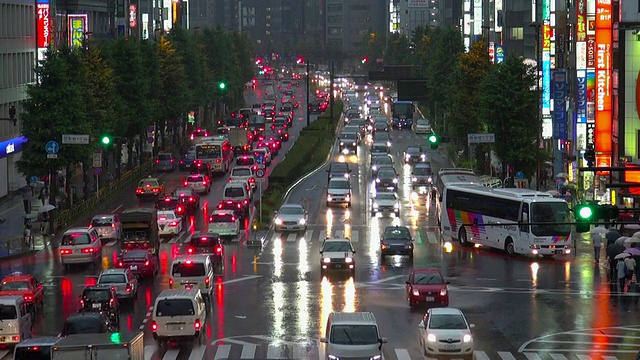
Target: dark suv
[(338, 169), (88, 323), (396, 240), (207, 244), (101, 298)]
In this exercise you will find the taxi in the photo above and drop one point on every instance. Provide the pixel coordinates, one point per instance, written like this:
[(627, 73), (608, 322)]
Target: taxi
[(200, 183), (149, 187), (25, 285)]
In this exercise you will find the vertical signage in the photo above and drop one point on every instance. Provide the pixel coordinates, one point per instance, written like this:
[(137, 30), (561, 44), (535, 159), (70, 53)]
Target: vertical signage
[(43, 27), (78, 26), (546, 57), (499, 54), (581, 101), (581, 20), (497, 27), (133, 16), (591, 96), (492, 52), (603, 76), (477, 17), (559, 104)]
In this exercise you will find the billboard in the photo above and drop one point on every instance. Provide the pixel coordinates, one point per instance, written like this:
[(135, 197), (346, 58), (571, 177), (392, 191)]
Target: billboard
[(603, 112), (591, 96), (581, 100), (546, 58), (133, 16), (581, 20), (78, 25), (492, 52), (43, 24), (559, 104), (477, 17), (581, 55)]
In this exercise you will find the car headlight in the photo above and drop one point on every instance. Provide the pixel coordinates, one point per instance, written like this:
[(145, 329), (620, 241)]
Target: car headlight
[(326, 260), (278, 221), (374, 168), (377, 180), (354, 144), (302, 221), (466, 338), (414, 179), (333, 357), (416, 292), (347, 198), (348, 260), (341, 143), (423, 156), (375, 205), (346, 175), (396, 206), (388, 143), (430, 179), (443, 292), (431, 338), (407, 156), (328, 197), (395, 181)]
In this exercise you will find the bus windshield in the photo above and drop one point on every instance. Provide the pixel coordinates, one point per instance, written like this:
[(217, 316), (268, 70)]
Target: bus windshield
[(551, 212), (400, 109), (206, 151)]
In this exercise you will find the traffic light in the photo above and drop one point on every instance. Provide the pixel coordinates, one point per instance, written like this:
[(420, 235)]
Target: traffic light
[(115, 338), (12, 114), (105, 140), (365, 59), (222, 85), (590, 155), (434, 140), (585, 214), (254, 226), (300, 60)]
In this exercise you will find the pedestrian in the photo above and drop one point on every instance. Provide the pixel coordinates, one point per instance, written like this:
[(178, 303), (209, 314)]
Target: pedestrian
[(630, 265), (622, 276), (597, 245), (42, 196), (26, 200)]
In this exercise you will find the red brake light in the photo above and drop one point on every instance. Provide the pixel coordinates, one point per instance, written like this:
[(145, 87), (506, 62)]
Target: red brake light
[(65, 251), (34, 348), (188, 262), (207, 281), (217, 161), (167, 199), (128, 288), (192, 199), (146, 263), (233, 218), (157, 161), (185, 183), (172, 160), (218, 249), (196, 324), (88, 250), (28, 298), (190, 250), (113, 226), (170, 282), (154, 326), (120, 264)]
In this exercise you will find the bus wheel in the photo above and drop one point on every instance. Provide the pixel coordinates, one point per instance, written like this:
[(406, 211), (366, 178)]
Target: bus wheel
[(509, 247), (462, 237)]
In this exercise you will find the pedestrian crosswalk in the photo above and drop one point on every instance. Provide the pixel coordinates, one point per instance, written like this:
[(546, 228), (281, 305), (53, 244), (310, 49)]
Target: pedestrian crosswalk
[(318, 235)]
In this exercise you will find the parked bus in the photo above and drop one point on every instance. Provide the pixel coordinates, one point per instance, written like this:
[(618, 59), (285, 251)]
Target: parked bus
[(480, 205), (402, 114), (218, 153)]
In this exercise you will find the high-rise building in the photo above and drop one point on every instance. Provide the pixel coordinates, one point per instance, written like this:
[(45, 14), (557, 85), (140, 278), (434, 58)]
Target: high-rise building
[(417, 13), (349, 21)]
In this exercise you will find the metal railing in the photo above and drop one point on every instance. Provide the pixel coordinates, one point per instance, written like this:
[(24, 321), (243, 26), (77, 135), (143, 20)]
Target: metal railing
[(14, 246)]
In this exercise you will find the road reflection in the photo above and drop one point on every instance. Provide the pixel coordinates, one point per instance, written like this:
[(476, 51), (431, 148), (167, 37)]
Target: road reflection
[(326, 304), (534, 274), (277, 257)]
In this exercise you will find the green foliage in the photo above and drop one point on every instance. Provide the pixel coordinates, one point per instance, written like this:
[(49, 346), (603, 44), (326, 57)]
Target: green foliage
[(444, 49), (510, 108), (397, 52), (372, 47)]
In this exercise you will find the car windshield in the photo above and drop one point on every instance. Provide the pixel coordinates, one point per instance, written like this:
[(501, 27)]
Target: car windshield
[(421, 170), (183, 193), (14, 285), (382, 160), (336, 246), (188, 269), (354, 334), (339, 185), (8, 312), (241, 172), (234, 192), (33, 353), (245, 160), (148, 183), (428, 279), (112, 279), (167, 216), (413, 150), (397, 233), (550, 212), (81, 325), (164, 157), (175, 307), (379, 149), (76, 239), (291, 210), (339, 168), (358, 122), (348, 136), (97, 295), (204, 241), (381, 124), (195, 178), (447, 322), (423, 122), (223, 218), (385, 196)]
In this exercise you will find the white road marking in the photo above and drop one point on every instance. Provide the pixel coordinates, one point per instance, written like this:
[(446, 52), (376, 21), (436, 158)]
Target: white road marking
[(197, 353), (558, 357), (3, 353), (149, 314), (292, 237), (604, 357), (248, 351), (171, 354), (250, 277), (486, 279), (222, 352), (149, 350), (273, 352), (534, 356), (354, 236), (432, 237), (323, 235), (386, 279), (402, 354), (299, 352), (506, 355), (308, 235), (118, 208), (582, 357), (480, 355)]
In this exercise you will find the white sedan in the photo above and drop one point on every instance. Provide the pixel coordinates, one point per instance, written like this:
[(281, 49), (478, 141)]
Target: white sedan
[(385, 202), (169, 223), (422, 126), (446, 331), (291, 217)]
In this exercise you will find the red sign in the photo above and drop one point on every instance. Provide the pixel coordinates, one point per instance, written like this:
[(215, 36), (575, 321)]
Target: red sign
[(43, 26), (603, 84), (603, 160), (604, 19), (133, 16)]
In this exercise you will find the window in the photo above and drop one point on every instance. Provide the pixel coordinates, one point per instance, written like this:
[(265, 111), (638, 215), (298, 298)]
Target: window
[(233, 192), (97, 295), (188, 270), (8, 312), (76, 239), (354, 334), (516, 33), (175, 307), (334, 19), (428, 279), (112, 279), (483, 204), (334, 8), (362, 7), (447, 321), (15, 285)]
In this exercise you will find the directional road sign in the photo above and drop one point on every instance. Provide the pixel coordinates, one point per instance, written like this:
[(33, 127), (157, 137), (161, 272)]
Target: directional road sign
[(52, 147)]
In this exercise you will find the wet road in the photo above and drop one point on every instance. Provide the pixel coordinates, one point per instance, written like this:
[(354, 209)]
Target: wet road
[(272, 303)]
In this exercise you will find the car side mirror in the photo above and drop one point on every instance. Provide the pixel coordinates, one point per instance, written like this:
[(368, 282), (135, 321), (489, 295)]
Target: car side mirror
[(472, 326), (354, 252), (323, 340), (383, 340), (320, 252), (422, 325)]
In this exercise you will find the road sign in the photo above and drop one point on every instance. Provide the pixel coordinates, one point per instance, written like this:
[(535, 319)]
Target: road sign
[(75, 139), (52, 156), (150, 140), (97, 171), (481, 138), (97, 159), (33, 180), (52, 147), (260, 173)]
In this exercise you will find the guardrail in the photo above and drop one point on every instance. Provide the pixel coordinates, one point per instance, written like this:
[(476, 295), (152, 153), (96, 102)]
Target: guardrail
[(13, 246)]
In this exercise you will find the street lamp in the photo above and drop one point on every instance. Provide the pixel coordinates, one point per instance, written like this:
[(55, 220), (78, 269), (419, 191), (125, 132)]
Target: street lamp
[(537, 26), (308, 94)]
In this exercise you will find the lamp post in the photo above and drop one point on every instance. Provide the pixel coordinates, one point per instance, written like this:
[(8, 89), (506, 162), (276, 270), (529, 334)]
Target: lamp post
[(308, 93), (537, 27)]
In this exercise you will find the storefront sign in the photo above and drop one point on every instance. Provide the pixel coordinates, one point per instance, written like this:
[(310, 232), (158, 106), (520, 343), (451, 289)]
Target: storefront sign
[(12, 146), (559, 104), (78, 26), (591, 52), (581, 17), (581, 55), (43, 24), (492, 52), (499, 54), (133, 16), (591, 96), (603, 79), (581, 101)]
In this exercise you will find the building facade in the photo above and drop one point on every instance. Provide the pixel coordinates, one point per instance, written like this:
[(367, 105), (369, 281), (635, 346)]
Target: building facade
[(417, 13), (17, 60), (348, 21)]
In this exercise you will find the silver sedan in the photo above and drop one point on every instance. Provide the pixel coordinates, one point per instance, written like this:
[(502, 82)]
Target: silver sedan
[(291, 217)]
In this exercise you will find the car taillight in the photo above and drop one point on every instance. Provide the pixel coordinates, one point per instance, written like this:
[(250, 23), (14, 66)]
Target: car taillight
[(207, 281), (157, 161), (172, 160), (120, 264), (139, 191), (28, 297), (65, 251), (180, 209), (218, 249), (185, 183), (190, 249), (245, 201), (15, 338), (112, 302), (173, 224), (196, 324), (81, 303), (192, 137), (170, 282), (128, 288), (192, 199), (154, 326), (217, 161), (252, 180), (204, 183), (239, 205)]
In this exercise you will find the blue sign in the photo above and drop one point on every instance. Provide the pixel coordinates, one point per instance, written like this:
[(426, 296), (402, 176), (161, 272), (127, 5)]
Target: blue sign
[(260, 159), (97, 171), (560, 104), (546, 83), (150, 139), (581, 101), (52, 147), (12, 146), (499, 54), (33, 180)]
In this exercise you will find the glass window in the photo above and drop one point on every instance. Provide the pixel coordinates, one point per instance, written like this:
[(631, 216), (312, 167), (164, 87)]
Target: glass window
[(8, 312), (483, 204), (112, 279), (91, 325), (15, 285), (164, 157), (76, 239), (223, 218), (175, 307), (447, 321), (354, 334), (135, 255), (241, 172), (32, 353), (234, 192), (97, 295), (291, 210), (188, 270), (208, 151), (336, 246), (102, 222), (542, 212), (428, 279), (339, 184)]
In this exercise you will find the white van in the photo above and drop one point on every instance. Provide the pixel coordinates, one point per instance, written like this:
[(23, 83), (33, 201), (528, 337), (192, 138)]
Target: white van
[(352, 335), (192, 271), (178, 314), (236, 191), (15, 319)]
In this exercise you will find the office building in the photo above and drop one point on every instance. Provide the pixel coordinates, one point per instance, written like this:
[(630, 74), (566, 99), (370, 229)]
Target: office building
[(349, 21)]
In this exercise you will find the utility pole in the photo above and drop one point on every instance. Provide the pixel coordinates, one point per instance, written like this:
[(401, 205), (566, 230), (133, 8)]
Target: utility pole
[(308, 93), (331, 99)]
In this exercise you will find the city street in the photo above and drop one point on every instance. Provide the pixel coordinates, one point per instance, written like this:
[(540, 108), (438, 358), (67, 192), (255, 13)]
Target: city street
[(272, 302)]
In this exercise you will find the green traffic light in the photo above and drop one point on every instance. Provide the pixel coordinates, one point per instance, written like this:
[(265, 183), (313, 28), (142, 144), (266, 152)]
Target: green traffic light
[(433, 139), (106, 140), (222, 86), (585, 212), (115, 338)]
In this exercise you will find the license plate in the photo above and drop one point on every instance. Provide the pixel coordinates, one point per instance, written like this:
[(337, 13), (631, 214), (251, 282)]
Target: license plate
[(175, 327), (133, 267), (430, 298), (449, 347), (338, 266), (96, 306), (557, 252), (164, 168), (189, 286)]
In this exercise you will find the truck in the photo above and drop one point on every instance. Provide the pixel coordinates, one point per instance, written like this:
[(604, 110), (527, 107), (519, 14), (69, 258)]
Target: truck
[(240, 140), (140, 230), (99, 347)]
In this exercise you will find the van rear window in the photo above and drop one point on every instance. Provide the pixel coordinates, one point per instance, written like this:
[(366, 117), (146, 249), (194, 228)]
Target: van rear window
[(89, 325), (175, 307), (75, 239), (233, 192), (8, 312), (188, 270), (33, 353)]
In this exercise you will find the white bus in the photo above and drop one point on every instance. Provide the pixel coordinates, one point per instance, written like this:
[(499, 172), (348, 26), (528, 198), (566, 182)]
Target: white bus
[(451, 176), (218, 153), (467, 204)]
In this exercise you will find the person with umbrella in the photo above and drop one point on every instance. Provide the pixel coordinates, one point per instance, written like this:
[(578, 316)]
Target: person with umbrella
[(630, 264), (614, 250), (622, 271), (635, 254), (612, 235)]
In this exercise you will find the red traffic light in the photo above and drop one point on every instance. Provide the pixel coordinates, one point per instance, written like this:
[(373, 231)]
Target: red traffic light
[(300, 60), (365, 60)]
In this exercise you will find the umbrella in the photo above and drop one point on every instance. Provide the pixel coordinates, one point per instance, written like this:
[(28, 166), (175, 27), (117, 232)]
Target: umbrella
[(636, 234), (599, 230), (631, 240), (46, 208), (633, 251), (31, 216), (548, 163), (632, 226), (614, 249), (612, 236), (562, 175), (621, 240), (622, 255)]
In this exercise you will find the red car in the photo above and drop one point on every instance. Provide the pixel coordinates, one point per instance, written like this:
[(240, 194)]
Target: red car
[(140, 262), (237, 207), (18, 284), (427, 286)]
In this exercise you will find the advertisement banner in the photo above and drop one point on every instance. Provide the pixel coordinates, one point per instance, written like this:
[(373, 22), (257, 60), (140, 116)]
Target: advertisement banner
[(546, 83), (477, 17), (591, 133), (603, 160), (499, 54), (547, 127), (581, 137), (78, 26), (581, 100), (546, 36), (591, 96), (603, 23), (43, 24), (559, 104), (581, 55), (581, 20), (492, 52), (133, 16), (591, 52)]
